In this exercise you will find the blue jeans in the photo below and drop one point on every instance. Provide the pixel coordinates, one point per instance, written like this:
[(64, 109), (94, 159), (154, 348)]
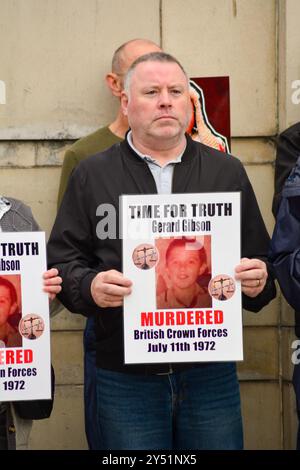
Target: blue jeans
[(195, 409), (90, 395)]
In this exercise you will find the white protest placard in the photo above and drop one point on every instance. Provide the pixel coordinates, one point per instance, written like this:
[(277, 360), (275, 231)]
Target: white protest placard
[(180, 252), (25, 372)]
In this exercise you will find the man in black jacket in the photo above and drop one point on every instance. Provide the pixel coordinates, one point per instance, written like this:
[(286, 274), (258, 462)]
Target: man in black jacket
[(157, 406)]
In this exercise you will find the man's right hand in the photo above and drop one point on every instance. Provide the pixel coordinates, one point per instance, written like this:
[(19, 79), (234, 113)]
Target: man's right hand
[(109, 288)]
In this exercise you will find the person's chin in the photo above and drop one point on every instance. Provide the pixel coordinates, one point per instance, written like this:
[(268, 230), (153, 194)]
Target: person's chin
[(167, 131), (183, 285)]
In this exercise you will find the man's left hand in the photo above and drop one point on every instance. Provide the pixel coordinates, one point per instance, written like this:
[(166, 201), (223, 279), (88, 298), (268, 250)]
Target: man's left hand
[(253, 275)]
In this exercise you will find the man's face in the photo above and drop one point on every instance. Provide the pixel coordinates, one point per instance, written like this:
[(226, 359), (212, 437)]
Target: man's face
[(6, 305), (183, 267), (158, 106)]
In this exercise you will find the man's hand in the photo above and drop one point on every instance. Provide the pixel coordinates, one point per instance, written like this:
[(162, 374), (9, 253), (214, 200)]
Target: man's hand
[(109, 288), (52, 283), (253, 276)]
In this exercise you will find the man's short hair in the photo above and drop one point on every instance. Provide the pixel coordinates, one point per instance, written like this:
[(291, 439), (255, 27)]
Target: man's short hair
[(9, 285), (151, 57), (188, 245)]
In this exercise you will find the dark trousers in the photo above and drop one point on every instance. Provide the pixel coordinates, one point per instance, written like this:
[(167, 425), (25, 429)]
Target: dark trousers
[(296, 383), (90, 392)]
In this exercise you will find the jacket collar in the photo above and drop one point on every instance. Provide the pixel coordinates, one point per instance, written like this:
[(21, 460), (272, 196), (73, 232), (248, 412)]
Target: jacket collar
[(188, 155)]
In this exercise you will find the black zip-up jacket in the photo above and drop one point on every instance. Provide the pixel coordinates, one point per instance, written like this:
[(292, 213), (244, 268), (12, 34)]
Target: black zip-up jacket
[(79, 254), (285, 245)]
